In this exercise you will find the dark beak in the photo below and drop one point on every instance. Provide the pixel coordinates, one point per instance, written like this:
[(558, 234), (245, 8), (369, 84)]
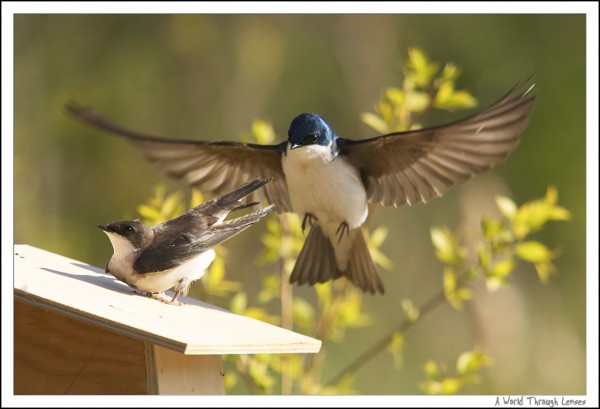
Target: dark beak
[(296, 145), (105, 228)]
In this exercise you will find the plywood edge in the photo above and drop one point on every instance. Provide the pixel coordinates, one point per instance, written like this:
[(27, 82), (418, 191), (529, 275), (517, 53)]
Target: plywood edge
[(286, 348)]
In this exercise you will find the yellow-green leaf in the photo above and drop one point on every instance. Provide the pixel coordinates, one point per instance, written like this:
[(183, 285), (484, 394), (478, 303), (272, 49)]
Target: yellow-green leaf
[(491, 228), (560, 213), (417, 101), (303, 313), (441, 240), (533, 251), (172, 205), (507, 207), (551, 195), (454, 295), (150, 214), (271, 288), (502, 268), (196, 198), (395, 96), (217, 271), (378, 236), (411, 311), (432, 370), (449, 99), (483, 255), (375, 122), (450, 386), (239, 302), (260, 374), (230, 379), (449, 73), (350, 313), (395, 348), (261, 315), (494, 283), (544, 270), (444, 92), (458, 100), (421, 71), (447, 248), (471, 361), (262, 132)]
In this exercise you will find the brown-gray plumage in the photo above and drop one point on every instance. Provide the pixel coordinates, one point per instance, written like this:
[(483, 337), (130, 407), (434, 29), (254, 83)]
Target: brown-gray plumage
[(176, 252), (394, 169)]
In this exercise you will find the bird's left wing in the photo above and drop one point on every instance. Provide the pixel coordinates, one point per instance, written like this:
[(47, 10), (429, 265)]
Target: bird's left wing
[(174, 250), (416, 166), (214, 167)]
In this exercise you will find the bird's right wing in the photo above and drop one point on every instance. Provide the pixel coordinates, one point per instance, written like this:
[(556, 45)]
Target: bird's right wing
[(214, 167)]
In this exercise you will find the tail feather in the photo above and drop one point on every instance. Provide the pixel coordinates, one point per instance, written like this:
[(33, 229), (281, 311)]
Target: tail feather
[(361, 269), (247, 219), (221, 232), (317, 264), (233, 198), (216, 210), (223, 205)]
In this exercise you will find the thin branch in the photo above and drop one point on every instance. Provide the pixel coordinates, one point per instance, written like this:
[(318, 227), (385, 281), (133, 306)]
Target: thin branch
[(246, 377), (314, 363), (286, 307), (382, 344)]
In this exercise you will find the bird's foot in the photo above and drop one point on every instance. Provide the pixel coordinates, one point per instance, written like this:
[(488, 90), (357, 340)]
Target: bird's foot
[(340, 231), (308, 218), (174, 300), (162, 297)]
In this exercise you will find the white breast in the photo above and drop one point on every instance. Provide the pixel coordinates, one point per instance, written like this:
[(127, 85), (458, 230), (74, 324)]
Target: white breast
[(163, 280), (328, 188), (331, 190)]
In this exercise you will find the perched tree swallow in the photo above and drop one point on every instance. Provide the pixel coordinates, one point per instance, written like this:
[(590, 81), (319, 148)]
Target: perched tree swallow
[(329, 181), (177, 252)]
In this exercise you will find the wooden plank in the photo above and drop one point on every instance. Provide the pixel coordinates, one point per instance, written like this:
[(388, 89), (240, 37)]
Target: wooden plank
[(174, 373), (59, 355), (80, 291)]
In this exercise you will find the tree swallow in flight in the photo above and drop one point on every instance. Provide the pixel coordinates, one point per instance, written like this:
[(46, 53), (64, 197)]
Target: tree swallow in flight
[(329, 181), (177, 252)]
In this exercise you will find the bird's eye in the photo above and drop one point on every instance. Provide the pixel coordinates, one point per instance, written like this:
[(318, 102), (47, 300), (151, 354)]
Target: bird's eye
[(310, 139), (129, 230)]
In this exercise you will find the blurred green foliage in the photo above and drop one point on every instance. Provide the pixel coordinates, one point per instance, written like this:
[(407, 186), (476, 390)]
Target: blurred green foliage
[(208, 77), (468, 363), (339, 304), (401, 109)]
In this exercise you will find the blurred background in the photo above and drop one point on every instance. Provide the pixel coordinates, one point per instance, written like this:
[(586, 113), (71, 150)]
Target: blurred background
[(209, 76)]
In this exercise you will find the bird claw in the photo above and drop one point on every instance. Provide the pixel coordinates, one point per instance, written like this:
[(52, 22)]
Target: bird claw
[(310, 218), (175, 302), (162, 297), (344, 227)]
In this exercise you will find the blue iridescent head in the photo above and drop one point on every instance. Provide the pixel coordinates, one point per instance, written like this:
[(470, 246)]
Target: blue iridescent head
[(309, 129)]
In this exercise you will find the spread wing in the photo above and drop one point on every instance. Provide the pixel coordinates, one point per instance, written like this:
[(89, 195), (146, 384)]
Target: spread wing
[(215, 167), (416, 166)]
